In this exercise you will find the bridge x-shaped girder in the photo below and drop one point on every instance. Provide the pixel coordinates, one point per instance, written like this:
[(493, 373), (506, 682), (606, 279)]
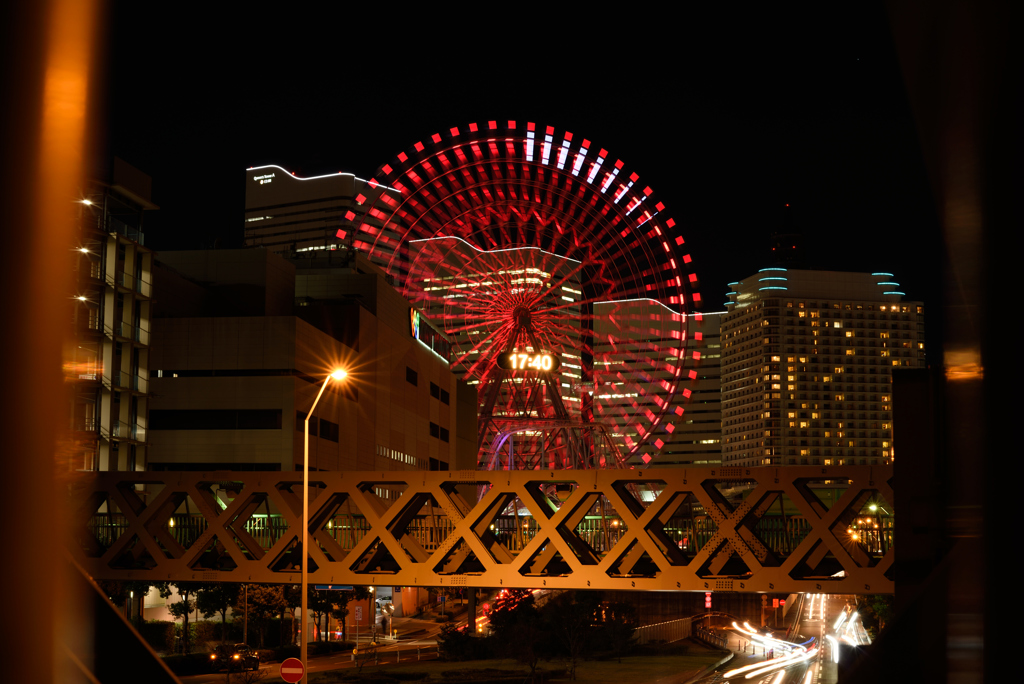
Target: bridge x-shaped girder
[(472, 553)]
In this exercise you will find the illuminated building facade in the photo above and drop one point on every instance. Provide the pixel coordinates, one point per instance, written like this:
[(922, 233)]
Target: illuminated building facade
[(243, 340), (107, 358), (285, 213), (696, 434), (697, 439), (807, 359)]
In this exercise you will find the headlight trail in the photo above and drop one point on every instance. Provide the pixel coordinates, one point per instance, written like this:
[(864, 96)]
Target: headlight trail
[(835, 647), (785, 661)]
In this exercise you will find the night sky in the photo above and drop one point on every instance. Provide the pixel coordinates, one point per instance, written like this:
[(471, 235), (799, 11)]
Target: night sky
[(727, 116)]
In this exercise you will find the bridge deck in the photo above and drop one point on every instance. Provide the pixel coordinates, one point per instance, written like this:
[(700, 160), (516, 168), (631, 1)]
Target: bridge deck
[(735, 529)]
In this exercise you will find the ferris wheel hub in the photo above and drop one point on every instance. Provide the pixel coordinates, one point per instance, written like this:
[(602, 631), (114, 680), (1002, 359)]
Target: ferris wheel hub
[(522, 317)]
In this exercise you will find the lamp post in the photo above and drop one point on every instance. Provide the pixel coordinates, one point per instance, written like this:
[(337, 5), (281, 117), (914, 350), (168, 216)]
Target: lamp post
[(338, 375)]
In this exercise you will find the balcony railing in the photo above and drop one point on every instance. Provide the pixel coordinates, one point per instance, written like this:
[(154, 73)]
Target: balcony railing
[(122, 430), (132, 332), (122, 228)]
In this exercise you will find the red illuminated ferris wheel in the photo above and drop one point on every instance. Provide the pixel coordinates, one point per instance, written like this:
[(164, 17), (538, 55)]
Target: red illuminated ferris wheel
[(563, 286)]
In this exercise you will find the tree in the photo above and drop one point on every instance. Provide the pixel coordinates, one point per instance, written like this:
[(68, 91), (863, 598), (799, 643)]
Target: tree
[(119, 591), (215, 598), (292, 600), (341, 599), (616, 628), (364, 653), (878, 610), (519, 629), (183, 607), (572, 621), (320, 604), (264, 602), (248, 676)]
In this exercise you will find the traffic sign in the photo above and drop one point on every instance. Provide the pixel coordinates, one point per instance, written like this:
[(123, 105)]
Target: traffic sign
[(292, 670)]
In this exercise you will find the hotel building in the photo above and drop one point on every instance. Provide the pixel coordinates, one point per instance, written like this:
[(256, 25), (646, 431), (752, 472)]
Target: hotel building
[(807, 359)]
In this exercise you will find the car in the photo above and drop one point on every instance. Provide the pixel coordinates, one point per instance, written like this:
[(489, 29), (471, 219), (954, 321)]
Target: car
[(234, 657)]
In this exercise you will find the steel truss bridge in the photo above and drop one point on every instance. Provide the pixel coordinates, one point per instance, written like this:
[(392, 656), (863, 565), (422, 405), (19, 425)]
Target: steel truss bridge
[(788, 529)]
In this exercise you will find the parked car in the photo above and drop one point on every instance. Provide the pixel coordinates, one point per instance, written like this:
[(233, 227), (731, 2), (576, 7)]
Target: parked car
[(234, 657)]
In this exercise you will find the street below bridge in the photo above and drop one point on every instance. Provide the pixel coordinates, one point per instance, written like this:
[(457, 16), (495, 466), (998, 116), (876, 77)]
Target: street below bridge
[(416, 642), (802, 650)]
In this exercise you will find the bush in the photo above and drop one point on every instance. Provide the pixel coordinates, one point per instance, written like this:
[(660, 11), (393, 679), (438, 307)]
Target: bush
[(284, 652), (459, 644), (159, 634), (204, 632), (191, 664)]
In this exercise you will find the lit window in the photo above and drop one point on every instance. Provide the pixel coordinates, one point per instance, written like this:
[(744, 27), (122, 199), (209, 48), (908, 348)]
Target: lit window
[(837, 324), (851, 352)]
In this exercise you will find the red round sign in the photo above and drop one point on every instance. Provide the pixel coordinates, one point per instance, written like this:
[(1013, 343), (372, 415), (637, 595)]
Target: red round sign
[(292, 670)]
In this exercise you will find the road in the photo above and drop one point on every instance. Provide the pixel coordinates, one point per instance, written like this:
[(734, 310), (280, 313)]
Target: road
[(808, 655), (418, 640)]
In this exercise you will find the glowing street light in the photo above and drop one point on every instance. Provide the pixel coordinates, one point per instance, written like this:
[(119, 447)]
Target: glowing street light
[(337, 375)]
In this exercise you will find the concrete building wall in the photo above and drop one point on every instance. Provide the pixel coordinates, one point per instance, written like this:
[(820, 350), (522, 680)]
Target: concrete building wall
[(395, 410)]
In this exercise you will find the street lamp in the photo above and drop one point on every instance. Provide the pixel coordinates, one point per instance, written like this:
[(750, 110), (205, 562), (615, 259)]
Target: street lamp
[(338, 375)]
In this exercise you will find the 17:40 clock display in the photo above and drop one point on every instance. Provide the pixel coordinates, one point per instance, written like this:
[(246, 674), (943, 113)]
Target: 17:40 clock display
[(523, 361)]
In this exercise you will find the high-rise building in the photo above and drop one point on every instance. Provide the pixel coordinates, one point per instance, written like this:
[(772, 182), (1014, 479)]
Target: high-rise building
[(243, 340), (107, 360), (807, 359), (697, 439), (285, 213)]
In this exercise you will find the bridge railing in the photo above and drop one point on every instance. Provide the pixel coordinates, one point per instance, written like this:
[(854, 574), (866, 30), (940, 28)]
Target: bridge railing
[(751, 529)]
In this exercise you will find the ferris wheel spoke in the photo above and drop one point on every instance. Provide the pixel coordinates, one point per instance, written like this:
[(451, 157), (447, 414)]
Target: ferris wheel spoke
[(492, 241)]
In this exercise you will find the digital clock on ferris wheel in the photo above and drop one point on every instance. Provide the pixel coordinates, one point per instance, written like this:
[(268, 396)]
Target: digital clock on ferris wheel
[(523, 361)]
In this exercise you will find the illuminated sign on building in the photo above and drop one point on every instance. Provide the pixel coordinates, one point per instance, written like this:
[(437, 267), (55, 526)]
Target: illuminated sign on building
[(421, 329), (265, 178)]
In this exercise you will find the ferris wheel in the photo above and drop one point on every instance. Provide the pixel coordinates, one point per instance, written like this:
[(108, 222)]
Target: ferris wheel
[(564, 287)]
